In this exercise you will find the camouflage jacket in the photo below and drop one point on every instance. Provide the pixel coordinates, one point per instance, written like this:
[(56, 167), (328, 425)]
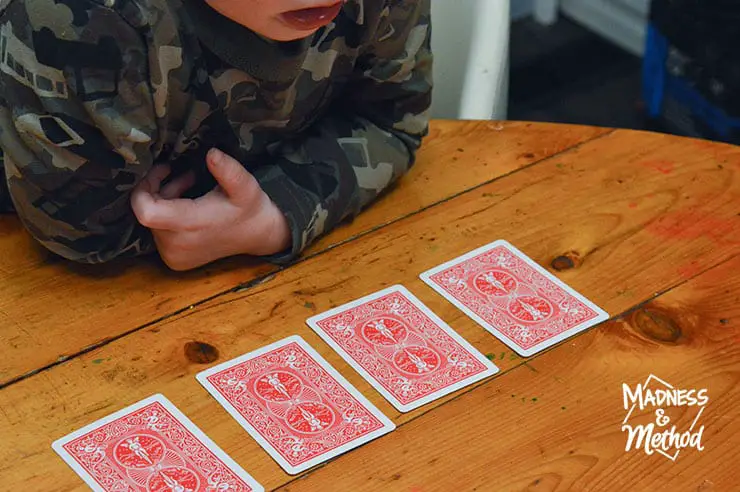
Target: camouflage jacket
[(93, 93)]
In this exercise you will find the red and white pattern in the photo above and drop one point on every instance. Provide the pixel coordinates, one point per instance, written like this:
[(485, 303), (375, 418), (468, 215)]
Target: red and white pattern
[(401, 347), (150, 449), (514, 297), (293, 405)]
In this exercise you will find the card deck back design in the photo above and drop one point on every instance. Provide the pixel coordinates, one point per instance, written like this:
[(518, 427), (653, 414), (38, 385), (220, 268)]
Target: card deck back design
[(151, 446), (403, 349), (514, 298), (295, 404)]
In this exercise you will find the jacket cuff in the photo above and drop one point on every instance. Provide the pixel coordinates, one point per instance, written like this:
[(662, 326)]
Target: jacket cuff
[(297, 205)]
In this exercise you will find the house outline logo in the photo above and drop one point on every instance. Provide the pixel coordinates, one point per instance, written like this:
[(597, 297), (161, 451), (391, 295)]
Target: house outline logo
[(661, 435)]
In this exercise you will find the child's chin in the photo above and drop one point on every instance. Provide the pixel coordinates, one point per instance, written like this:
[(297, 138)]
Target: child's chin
[(285, 34)]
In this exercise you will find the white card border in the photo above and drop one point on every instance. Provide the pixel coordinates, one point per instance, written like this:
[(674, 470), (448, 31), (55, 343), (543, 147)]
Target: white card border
[(490, 370), (600, 317), (184, 420), (388, 425)]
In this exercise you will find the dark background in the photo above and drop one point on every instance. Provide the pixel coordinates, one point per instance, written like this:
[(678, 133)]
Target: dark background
[(565, 73)]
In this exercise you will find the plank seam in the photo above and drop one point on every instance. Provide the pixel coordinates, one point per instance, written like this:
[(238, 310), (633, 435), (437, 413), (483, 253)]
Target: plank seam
[(268, 276), (526, 361)]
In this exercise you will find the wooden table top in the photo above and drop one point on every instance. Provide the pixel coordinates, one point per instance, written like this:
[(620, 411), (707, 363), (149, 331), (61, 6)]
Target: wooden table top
[(645, 225)]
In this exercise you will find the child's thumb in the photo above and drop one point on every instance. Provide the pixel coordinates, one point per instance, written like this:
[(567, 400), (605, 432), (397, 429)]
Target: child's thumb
[(230, 174)]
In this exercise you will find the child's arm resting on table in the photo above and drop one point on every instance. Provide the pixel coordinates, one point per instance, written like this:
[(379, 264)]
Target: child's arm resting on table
[(367, 140), (341, 163), (76, 141), (333, 169)]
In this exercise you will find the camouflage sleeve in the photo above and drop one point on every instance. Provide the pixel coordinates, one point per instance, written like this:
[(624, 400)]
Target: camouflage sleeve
[(77, 125), (369, 137)]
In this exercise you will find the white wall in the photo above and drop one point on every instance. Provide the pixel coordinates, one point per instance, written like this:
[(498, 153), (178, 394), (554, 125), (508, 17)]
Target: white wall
[(470, 41), (451, 41)]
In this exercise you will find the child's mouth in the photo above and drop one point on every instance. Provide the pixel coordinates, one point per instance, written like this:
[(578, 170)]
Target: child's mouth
[(310, 19)]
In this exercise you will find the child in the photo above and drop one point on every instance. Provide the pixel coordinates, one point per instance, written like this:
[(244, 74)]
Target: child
[(206, 128)]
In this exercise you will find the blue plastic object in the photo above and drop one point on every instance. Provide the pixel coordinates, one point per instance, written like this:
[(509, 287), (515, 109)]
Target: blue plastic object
[(658, 84)]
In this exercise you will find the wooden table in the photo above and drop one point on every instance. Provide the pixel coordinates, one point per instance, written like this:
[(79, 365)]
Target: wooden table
[(645, 225)]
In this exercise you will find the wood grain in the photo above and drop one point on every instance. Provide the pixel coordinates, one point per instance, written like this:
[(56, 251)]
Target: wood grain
[(615, 219), (51, 309), (559, 429)]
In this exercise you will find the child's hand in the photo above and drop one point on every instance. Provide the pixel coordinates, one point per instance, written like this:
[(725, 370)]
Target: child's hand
[(237, 217)]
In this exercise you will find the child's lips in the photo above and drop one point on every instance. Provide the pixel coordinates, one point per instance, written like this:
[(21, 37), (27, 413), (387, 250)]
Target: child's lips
[(310, 19)]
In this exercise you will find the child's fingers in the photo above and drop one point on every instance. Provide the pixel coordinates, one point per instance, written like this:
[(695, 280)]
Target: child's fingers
[(153, 179), (178, 186), (178, 214)]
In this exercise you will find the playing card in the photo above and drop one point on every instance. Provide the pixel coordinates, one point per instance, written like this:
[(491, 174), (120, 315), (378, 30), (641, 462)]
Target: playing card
[(151, 446), (403, 349), (291, 401), (514, 298)]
